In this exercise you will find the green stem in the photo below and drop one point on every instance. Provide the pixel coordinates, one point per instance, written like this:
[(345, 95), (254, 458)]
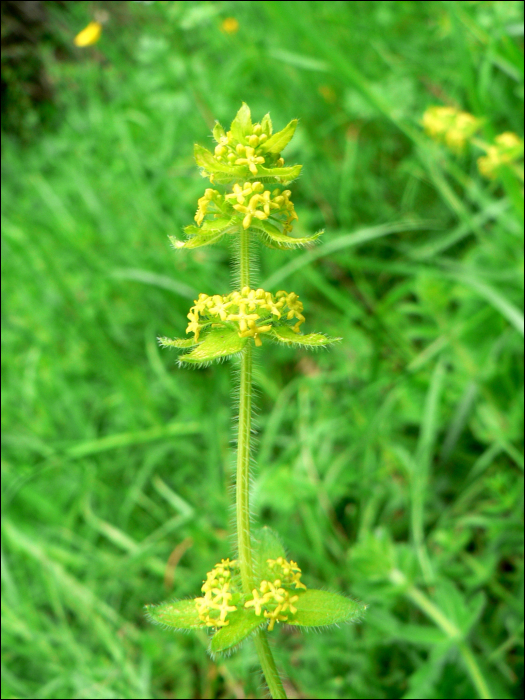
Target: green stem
[(474, 672), (244, 258), (450, 629), (243, 472), (268, 665), (244, 543)]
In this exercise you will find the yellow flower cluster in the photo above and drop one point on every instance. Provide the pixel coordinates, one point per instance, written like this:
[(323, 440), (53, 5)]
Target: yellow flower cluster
[(507, 148), (204, 202), (255, 201), (271, 599), (214, 606), (252, 200), (253, 310), (289, 571), (229, 151), (450, 125)]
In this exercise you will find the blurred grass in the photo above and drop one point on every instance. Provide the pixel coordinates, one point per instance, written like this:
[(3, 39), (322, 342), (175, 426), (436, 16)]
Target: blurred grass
[(391, 465)]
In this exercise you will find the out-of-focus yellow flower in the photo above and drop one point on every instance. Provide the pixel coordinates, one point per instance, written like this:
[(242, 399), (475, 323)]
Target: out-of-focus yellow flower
[(505, 151), (89, 35), (230, 25), (450, 125)]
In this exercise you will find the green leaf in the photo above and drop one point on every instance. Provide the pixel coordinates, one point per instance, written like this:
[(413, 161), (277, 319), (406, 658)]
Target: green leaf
[(179, 614), (282, 239), (224, 173), (266, 125), (213, 225), (475, 608), (241, 126), (424, 681), (218, 132), (319, 608), (177, 342), (284, 334), (283, 175), (278, 141), (265, 545), (208, 227), (196, 241), (242, 623), (216, 343), (205, 159)]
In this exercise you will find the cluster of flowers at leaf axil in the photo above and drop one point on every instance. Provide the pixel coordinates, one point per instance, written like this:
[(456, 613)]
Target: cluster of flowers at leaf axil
[(271, 599)]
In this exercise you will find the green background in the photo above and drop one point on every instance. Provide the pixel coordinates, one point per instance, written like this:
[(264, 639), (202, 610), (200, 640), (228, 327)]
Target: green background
[(391, 464)]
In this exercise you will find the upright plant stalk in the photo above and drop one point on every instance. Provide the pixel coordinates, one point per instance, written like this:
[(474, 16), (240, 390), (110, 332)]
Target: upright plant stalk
[(260, 589), (242, 491), (269, 668), (243, 472)]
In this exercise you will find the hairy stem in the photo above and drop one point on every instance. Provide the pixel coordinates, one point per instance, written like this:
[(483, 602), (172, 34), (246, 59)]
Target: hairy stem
[(269, 668), (243, 472), (244, 544)]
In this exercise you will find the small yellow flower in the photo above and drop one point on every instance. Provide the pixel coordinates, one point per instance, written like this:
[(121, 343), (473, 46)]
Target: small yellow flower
[(242, 318), (505, 151), (450, 125), (274, 616), (251, 160), (89, 35), (257, 602), (204, 202), (230, 25), (508, 140)]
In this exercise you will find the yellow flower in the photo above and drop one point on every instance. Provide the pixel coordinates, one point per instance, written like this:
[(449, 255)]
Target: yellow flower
[(217, 596), (255, 312), (274, 616), (257, 602), (204, 201), (291, 572), (230, 25), (505, 151), (251, 160), (274, 599), (89, 35), (242, 318), (450, 125)]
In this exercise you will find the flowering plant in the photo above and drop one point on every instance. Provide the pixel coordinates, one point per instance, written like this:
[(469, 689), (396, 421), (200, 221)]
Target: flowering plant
[(260, 588)]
